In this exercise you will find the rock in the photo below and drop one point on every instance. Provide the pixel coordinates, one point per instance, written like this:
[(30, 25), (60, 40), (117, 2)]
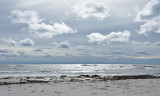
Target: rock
[(105, 78), (40, 77), (37, 81), (84, 76), (96, 76), (88, 79), (7, 77), (73, 80), (134, 77), (63, 76)]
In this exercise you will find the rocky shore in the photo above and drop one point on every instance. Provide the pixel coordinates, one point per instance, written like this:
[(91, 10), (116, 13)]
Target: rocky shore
[(63, 78)]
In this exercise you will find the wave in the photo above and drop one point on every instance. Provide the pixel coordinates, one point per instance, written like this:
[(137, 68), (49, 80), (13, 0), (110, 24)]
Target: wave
[(15, 72)]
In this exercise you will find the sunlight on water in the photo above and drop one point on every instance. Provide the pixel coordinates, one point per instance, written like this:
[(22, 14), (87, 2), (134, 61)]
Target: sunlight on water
[(77, 69)]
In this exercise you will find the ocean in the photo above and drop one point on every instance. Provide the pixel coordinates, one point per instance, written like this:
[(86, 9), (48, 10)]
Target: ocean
[(16, 70)]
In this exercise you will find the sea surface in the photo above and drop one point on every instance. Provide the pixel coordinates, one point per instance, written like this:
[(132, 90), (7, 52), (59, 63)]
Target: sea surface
[(77, 69)]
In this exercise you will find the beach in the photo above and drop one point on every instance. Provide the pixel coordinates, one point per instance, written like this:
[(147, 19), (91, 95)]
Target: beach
[(79, 80), (83, 85)]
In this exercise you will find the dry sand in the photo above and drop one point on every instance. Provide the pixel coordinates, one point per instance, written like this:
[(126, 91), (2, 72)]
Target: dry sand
[(129, 87)]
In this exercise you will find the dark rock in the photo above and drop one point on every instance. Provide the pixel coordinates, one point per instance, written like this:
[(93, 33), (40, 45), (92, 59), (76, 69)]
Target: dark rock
[(7, 77), (37, 81), (134, 77), (27, 77), (8, 83), (96, 76), (84, 76), (63, 76), (40, 77), (73, 80), (105, 78)]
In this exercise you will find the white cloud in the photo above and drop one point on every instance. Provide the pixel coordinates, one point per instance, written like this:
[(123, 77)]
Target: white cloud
[(26, 42), (96, 37), (150, 15), (119, 36), (140, 43), (48, 30), (91, 9), (35, 24), (150, 26), (112, 37), (26, 17)]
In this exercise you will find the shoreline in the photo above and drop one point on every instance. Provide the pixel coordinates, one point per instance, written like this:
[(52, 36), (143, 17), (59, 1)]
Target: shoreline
[(64, 78), (82, 85)]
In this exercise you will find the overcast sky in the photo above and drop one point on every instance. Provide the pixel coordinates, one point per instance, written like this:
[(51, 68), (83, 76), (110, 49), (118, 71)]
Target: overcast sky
[(80, 31)]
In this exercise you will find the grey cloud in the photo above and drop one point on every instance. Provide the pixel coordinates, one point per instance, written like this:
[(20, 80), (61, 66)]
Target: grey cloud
[(150, 11), (10, 41), (118, 52), (26, 17), (143, 52), (64, 45), (23, 54), (26, 42), (5, 51), (147, 43), (8, 55), (81, 48), (158, 43), (38, 50)]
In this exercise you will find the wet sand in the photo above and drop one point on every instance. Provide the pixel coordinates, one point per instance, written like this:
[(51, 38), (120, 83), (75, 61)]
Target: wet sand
[(82, 86)]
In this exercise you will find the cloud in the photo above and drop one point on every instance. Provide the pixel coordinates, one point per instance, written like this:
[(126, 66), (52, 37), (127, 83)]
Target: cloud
[(150, 15), (26, 42), (142, 52), (10, 41), (8, 55), (26, 17), (49, 30), (31, 3), (5, 51), (65, 44), (91, 9), (112, 37), (36, 26), (158, 43), (22, 54), (96, 37), (140, 43), (117, 52), (38, 50)]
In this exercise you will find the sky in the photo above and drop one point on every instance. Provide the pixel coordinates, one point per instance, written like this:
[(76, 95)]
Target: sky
[(80, 31)]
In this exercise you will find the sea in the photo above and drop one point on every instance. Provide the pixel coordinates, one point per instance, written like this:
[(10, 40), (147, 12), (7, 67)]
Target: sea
[(16, 70)]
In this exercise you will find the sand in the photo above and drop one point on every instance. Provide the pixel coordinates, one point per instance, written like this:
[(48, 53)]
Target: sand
[(126, 87)]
